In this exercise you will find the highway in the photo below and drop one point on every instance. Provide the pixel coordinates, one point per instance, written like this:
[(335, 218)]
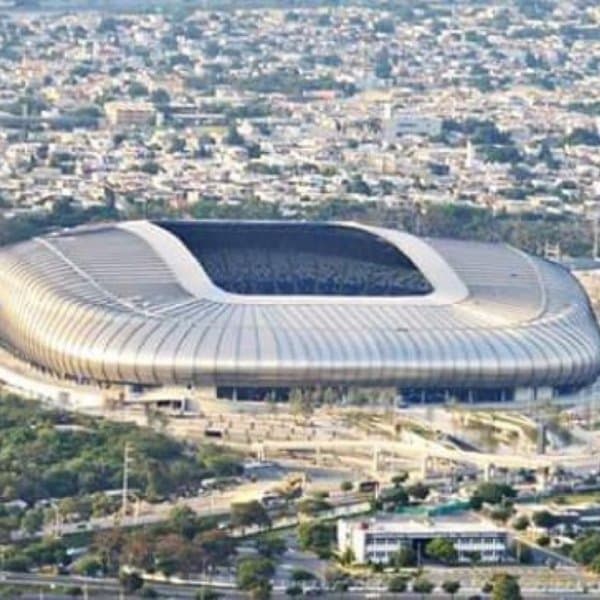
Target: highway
[(217, 503), (110, 589)]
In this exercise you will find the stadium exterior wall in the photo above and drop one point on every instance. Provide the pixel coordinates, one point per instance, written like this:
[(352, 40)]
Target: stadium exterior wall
[(128, 303)]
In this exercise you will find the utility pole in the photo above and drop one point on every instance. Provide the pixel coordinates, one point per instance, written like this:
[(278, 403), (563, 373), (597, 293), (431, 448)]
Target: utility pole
[(126, 461)]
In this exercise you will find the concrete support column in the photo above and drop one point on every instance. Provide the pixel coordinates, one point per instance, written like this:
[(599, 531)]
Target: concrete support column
[(376, 451), (425, 467), (543, 478), (261, 453), (488, 472)]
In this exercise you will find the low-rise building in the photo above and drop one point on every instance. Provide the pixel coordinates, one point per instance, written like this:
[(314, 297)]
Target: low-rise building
[(130, 113), (376, 540)]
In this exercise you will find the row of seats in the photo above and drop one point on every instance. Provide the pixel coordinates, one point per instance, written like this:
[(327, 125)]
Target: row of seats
[(259, 271)]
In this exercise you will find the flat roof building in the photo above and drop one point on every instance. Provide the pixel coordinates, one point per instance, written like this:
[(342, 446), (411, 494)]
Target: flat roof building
[(376, 540)]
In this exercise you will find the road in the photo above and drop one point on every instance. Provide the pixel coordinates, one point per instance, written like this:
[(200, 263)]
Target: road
[(109, 589), (217, 503)]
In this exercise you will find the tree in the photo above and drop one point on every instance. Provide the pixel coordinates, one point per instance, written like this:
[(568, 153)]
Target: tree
[(586, 548), (337, 580), (302, 575), (160, 96), (137, 89), (441, 549), (422, 586), (399, 478), (184, 521), (301, 403), (418, 491), (397, 585), (207, 594), (544, 518), (347, 557), (384, 25), (271, 546), (317, 536), (254, 574), (543, 540), (346, 486), (404, 557), (312, 506), (74, 591), (130, 582), (521, 523), (487, 587), (506, 587), (138, 551), (33, 520), (233, 137), (88, 565), (396, 495), (215, 546), (244, 514), (451, 587), (492, 493), (150, 166), (173, 554), (108, 544)]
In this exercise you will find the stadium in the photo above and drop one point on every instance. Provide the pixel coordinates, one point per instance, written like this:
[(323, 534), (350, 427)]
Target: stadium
[(261, 305)]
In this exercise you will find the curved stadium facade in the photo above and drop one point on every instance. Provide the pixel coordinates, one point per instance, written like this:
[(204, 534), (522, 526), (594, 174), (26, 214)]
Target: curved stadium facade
[(284, 304)]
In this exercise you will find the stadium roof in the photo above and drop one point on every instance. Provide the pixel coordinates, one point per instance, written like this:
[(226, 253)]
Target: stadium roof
[(287, 303)]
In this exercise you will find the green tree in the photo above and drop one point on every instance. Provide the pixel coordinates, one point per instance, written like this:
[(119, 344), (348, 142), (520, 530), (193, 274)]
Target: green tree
[(207, 594), (544, 518), (521, 523), (254, 574), (347, 557), (312, 506), (451, 587), (441, 549), (423, 586), (492, 493), (400, 478), (271, 546), (396, 495), (130, 582), (506, 587), (160, 97), (88, 565), (302, 575), (137, 89), (317, 536), (384, 25), (33, 520), (418, 491), (403, 557), (346, 486), (150, 166), (586, 548), (184, 521), (397, 585), (244, 514)]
